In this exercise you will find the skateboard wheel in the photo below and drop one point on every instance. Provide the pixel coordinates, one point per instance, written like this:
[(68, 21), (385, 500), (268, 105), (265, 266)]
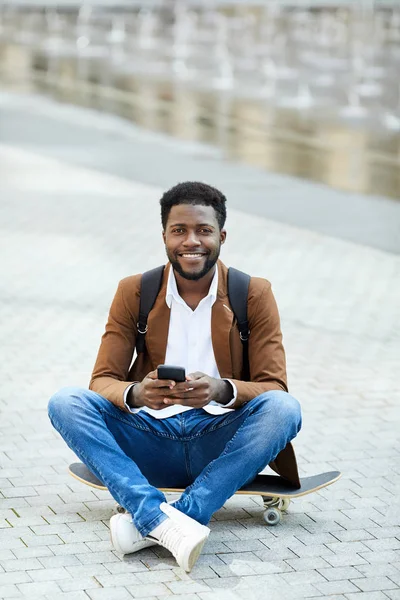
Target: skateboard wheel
[(272, 516), (120, 509), (285, 503)]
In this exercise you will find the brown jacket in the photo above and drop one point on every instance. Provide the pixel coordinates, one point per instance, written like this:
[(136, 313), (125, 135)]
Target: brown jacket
[(113, 371)]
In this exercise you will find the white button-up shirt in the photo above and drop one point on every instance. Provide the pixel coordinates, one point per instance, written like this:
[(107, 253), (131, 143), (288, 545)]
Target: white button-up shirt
[(189, 344)]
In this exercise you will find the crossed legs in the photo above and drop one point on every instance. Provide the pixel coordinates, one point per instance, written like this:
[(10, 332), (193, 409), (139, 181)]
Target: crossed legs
[(211, 456)]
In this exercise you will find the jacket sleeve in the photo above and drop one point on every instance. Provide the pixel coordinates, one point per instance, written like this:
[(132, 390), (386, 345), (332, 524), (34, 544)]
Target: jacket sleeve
[(266, 353), (110, 373)]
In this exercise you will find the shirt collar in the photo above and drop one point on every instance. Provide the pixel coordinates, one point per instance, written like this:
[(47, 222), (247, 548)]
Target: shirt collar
[(172, 289)]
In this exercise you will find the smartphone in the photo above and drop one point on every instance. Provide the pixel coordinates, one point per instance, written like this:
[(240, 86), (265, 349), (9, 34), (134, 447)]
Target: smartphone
[(171, 372)]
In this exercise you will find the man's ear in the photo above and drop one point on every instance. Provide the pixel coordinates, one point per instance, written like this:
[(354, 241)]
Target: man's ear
[(163, 237), (223, 236)]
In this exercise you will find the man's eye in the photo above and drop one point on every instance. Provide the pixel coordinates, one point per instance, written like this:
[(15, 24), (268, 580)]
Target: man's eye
[(178, 230), (205, 230)]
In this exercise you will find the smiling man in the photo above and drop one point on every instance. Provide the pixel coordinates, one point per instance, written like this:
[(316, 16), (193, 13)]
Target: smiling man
[(209, 435)]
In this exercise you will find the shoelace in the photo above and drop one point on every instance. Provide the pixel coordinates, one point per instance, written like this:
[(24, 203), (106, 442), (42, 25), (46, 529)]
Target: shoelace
[(170, 537)]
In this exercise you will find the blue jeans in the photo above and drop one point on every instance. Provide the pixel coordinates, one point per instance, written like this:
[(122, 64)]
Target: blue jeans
[(210, 456)]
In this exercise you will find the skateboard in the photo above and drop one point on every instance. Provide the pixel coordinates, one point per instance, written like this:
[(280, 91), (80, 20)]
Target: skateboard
[(275, 491)]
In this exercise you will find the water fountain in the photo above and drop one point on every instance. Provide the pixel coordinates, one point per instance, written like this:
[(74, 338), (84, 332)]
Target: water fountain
[(225, 78), (184, 24), (147, 27)]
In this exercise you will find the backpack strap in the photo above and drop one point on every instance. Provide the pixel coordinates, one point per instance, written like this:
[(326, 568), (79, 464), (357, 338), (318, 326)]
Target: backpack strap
[(150, 286), (238, 289)]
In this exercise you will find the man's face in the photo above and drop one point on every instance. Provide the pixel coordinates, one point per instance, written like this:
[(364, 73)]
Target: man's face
[(193, 239)]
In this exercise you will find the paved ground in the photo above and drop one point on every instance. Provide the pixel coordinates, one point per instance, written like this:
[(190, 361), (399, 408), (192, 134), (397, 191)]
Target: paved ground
[(68, 234)]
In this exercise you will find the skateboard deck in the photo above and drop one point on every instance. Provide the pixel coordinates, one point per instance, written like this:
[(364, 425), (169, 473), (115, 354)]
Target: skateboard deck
[(275, 491)]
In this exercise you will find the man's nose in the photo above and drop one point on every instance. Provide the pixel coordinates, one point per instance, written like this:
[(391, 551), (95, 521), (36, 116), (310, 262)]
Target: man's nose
[(191, 239)]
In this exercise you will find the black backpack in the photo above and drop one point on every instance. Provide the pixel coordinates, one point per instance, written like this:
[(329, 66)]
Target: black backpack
[(238, 287)]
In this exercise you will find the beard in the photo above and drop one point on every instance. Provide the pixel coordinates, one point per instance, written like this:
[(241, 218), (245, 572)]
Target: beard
[(210, 262)]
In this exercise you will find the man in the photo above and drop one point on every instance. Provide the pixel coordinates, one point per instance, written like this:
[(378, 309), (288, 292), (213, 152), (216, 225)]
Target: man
[(211, 434)]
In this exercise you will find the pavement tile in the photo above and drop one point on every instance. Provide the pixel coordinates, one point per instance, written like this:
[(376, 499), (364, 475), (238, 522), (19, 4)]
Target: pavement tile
[(188, 587), (301, 577), (385, 556), (68, 596), (78, 583), (6, 555), (265, 568), (118, 580), (211, 547), (244, 545), (381, 569), (38, 590), (197, 574), (14, 577), (303, 551), (92, 570), (383, 544), (116, 593), (336, 587), (97, 545), (384, 532), (97, 557), (188, 597), (10, 591), (310, 539), (52, 562), (12, 533), (224, 583), (136, 566), (277, 553), (307, 564), (347, 547), (70, 518), (345, 560), (20, 564), (31, 521), (35, 552), (396, 578), (31, 541), (69, 537), (354, 535), (145, 590), (340, 573), (160, 576), (49, 574), (65, 549), (371, 584), (367, 596), (19, 492)]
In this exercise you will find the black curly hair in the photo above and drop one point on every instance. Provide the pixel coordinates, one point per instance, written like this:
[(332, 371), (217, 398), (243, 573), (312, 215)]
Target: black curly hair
[(193, 192)]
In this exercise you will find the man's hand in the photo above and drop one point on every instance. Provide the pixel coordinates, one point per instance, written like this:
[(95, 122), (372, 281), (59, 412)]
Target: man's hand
[(197, 391), (150, 392)]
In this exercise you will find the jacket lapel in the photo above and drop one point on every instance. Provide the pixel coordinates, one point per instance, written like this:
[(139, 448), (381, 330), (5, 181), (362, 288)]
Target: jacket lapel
[(221, 324), (158, 323)]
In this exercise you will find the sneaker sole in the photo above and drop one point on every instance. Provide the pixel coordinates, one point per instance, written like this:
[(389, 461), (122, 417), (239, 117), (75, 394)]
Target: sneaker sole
[(194, 555), (140, 545)]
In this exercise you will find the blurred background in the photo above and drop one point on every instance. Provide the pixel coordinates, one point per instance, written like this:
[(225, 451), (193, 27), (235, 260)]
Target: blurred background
[(310, 89)]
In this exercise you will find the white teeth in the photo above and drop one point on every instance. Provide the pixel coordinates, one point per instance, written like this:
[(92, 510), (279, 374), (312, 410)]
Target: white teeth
[(191, 255)]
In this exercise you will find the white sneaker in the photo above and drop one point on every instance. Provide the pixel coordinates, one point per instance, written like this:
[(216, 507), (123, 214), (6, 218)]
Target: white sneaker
[(181, 535), (125, 538)]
